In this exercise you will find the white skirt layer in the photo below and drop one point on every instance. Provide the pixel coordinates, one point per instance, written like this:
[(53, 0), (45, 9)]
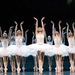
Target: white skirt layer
[(23, 50), (71, 50), (49, 54), (65, 55), (43, 48), (62, 49), (5, 51)]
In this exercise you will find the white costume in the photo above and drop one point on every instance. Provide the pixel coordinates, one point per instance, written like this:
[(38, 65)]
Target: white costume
[(19, 49), (71, 45), (5, 50), (59, 49), (40, 45), (48, 53)]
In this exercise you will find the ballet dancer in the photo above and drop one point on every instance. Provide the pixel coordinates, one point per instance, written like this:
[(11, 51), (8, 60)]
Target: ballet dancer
[(49, 55), (71, 38), (58, 50), (40, 47), (24, 42), (5, 50), (19, 49), (34, 54), (12, 57), (63, 43)]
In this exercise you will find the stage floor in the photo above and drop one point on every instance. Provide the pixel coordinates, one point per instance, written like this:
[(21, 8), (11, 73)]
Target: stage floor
[(37, 73)]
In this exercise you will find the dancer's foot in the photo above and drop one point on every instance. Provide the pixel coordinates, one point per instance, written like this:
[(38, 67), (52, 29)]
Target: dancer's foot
[(35, 69), (56, 69), (70, 69), (23, 69), (14, 69), (18, 70), (40, 70), (49, 69), (59, 70), (5, 70), (1, 70)]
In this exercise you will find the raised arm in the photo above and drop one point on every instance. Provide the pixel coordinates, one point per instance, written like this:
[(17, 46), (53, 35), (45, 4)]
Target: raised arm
[(22, 28), (43, 25), (52, 29), (73, 29), (1, 33), (36, 24), (15, 27), (9, 34), (59, 28), (26, 36), (67, 30), (33, 37)]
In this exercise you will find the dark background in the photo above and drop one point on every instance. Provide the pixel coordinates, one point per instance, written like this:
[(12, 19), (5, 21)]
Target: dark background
[(25, 10)]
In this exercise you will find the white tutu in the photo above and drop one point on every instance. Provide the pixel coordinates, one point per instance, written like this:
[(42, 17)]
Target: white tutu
[(43, 48), (65, 55), (5, 51), (62, 49), (23, 50), (71, 50), (49, 54)]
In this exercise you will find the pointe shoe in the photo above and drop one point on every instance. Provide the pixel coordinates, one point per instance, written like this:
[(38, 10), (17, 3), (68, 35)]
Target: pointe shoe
[(14, 70), (40, 70), (5, 70), (18, 70), (56, 69), (49, 69), (59, 70), (1, 69), (35, 69), (70, 69), (23, 69)]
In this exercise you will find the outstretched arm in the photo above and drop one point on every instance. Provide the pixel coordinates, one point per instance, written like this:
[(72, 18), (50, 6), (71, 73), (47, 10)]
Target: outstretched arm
[(33, 37), (1, 33), (36, 24), (60, 29), (9, 34), (52, 29), (26, 36), (21, 28), (67, 30), (43, 25), (73, 29), (15, 27)]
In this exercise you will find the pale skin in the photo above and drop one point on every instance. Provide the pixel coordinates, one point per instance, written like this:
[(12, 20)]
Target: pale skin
[(71, 56), (18, 57), (57, 57), (40, 55), (5, 58)]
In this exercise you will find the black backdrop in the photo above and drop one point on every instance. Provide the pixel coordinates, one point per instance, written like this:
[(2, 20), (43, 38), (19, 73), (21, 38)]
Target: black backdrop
[(25, 10)]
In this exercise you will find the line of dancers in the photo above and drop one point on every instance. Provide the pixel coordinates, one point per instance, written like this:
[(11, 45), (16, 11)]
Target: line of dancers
[(13, 46)]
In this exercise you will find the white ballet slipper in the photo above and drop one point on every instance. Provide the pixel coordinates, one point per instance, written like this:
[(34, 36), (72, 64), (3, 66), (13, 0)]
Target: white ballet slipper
[(50, 69), (18, 70), (5, 70), (40, 70), (23, 69)]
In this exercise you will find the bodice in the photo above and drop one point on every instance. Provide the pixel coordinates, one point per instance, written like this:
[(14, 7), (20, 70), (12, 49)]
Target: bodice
[(40, 39)]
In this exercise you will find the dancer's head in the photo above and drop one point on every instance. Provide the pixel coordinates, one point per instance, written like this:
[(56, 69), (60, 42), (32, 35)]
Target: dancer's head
[(39, 30), (18, 32), (56, 33), (4, 34), (49, 37), (70, 34)]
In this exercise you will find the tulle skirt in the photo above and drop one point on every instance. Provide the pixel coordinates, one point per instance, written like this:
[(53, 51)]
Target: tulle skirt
[(43, 48), (62, 49), (71, 50), (21, 51), (4, 51)]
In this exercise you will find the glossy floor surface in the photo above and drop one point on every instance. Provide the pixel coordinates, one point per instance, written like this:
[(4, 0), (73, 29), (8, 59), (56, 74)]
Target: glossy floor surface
[(37, 73)]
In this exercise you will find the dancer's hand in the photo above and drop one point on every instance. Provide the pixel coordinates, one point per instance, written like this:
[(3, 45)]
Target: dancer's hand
[(42, 18), (35, 18)]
